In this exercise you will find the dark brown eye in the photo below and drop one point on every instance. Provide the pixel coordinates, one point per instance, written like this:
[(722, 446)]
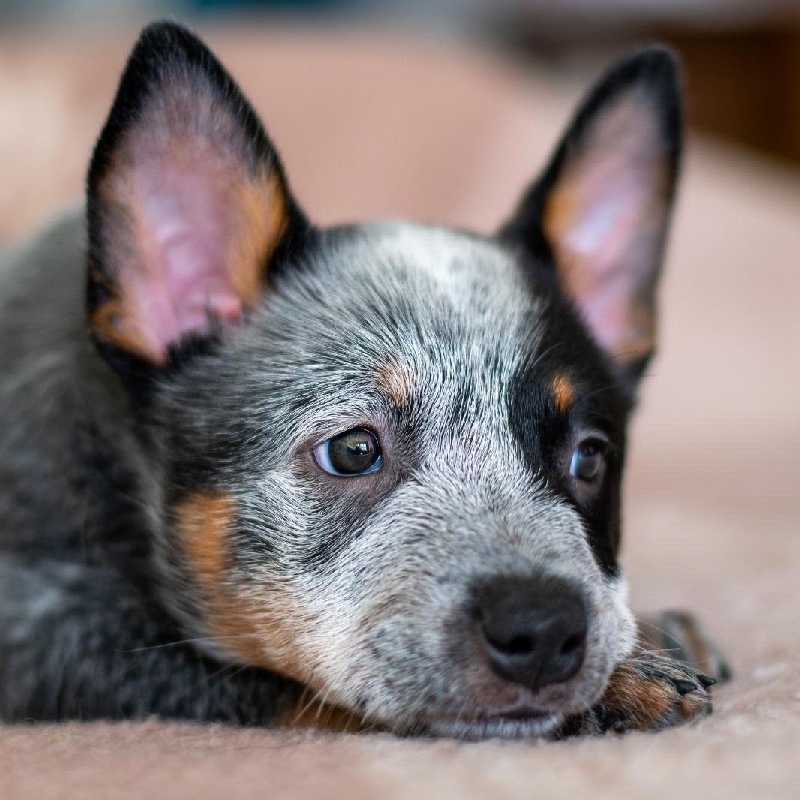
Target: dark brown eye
[(352, 453), (588, 460)]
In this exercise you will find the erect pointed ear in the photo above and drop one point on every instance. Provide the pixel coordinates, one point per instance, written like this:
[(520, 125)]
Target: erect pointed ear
[(601, 210), (187, 201)]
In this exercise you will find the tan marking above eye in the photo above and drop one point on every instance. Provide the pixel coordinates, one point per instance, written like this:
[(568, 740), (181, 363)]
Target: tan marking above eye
[(564, 393), (396, 381)]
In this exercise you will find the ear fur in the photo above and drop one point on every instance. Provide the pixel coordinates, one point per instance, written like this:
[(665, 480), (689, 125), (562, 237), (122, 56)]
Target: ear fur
[(600, 212), (187, 201)]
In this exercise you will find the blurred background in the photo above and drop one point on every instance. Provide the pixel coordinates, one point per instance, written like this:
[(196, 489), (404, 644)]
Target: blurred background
[(742, 56)]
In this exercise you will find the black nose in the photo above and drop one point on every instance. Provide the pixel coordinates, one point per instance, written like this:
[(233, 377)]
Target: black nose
[(533, 629)]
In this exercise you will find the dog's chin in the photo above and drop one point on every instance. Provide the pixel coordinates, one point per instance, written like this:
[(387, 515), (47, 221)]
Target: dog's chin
[(514, 713), (531, 725)]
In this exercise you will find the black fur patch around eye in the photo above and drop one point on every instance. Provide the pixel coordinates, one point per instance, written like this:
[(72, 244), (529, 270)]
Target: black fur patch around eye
[(545, 432)]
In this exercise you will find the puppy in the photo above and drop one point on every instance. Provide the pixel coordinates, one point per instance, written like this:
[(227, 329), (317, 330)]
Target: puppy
[(261, 472)]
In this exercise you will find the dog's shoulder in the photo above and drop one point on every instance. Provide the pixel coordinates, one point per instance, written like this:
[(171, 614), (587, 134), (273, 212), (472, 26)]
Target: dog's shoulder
[(41, 302), (54, 389)]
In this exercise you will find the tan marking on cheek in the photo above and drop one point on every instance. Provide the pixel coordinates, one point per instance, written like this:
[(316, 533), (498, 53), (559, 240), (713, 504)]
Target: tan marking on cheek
[(254, 627), (203, 522), (563, 393), (396, 381)]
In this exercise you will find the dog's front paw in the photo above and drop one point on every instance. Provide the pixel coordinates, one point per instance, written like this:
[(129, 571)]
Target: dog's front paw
[(679, 635), (648, 692)]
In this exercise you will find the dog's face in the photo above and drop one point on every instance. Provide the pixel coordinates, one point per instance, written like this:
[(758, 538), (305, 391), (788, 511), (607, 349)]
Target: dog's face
[(386, 457)]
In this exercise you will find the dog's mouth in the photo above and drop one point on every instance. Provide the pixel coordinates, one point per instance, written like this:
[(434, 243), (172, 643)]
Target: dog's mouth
[(522, 723), (519, 722)]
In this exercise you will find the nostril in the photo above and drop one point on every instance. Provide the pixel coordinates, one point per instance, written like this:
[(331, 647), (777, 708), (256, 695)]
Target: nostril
[(571, 644), (516, 646), (532, 630)]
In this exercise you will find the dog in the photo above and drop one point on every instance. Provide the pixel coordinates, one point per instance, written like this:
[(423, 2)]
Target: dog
[(363, 477)]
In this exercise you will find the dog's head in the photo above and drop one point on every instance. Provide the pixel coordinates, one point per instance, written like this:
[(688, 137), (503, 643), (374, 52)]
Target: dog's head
[(385, 459)]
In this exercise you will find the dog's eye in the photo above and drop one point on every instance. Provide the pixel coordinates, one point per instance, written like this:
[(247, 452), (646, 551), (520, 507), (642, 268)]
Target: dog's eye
[(588, 460), (355, 452)]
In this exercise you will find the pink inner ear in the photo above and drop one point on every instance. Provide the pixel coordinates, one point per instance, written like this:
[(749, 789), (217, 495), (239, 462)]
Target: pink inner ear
[(605, 221), (189, 217), (613, 245), (183, 229)]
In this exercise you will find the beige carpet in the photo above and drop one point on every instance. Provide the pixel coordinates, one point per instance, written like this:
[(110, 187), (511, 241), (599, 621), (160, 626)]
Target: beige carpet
[(371, 125)]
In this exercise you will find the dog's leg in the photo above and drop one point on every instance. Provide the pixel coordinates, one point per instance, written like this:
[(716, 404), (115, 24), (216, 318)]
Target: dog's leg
[(646, 692), (663, 683), (75, 644), (679, 635)]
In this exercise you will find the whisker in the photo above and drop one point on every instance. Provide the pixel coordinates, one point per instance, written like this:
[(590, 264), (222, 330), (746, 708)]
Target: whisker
[(179, 642), (315, 695), (541, 356)]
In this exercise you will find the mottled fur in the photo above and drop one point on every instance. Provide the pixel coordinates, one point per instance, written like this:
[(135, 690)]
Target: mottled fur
[(168, 544)]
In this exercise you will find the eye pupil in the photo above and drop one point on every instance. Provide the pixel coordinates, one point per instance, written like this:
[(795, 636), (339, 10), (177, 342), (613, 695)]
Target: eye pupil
[(354, 452)]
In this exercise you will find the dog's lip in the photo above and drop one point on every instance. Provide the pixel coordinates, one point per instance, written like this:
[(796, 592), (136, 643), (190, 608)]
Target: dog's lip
[(517, 714), (518, 723), (520, 713)]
